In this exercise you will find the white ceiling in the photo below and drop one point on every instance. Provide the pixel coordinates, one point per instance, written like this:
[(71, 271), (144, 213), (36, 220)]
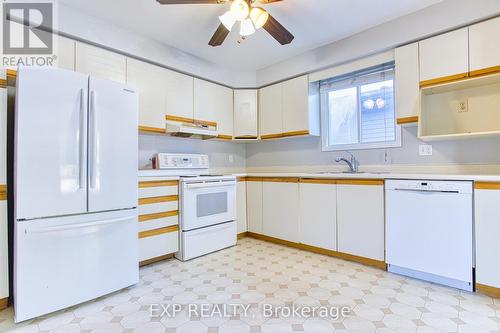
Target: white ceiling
[(189, 27)]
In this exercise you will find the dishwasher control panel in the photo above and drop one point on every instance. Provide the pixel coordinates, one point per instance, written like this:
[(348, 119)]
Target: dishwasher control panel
[(430, 185)]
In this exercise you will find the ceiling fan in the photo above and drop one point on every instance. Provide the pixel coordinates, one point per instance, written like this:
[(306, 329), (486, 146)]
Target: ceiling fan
[(249, 16)]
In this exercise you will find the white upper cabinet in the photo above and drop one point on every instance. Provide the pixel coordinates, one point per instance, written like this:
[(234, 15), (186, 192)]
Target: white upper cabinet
[(65, 53), (407, 81), (254, 206), (150, 82), (484, 47), (280, 210), (205, 100), (444, 57), (179, 94), (271, 111), (245, 114), (224, 111), (296, 106), (100, 63), (318, 214)]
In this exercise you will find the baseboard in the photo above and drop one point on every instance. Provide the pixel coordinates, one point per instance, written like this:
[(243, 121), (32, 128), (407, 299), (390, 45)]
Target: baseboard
[(4, 303), (361, 260), (242, 235), (157, 259), (488, 290)]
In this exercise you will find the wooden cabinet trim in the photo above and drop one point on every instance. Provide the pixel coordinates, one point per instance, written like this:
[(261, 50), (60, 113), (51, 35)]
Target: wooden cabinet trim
[(158, 183), (485, 71), (487, 185), (407, 120), (488, 290), (280, 179), (283, 135), (156, 259), (4, 303), (318, 181), (224, 137), (362, 260), (295, 133), (149, 129), (253, 179), (376, 182), (3, 192), (3, 83), (11, 77), (190, 120), (444, 79), (156, 232), (241, 179), (155, 216), (148, 201), (271, 136)]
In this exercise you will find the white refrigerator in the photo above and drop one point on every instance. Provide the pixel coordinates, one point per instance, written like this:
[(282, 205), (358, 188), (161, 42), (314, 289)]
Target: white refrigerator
[(75, 185)]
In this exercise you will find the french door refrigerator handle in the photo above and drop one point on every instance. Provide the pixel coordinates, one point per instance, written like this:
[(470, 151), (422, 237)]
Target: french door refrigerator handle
[(81, 143), (77, 226), (93, 138)]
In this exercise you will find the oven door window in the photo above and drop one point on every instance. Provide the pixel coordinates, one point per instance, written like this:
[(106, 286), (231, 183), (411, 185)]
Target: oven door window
[(211, 204)]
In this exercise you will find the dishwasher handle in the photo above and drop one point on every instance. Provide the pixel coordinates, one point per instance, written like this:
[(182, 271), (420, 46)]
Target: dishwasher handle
[(425, 191)]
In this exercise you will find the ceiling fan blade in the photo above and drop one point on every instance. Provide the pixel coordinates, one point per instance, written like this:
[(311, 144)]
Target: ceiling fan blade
[(219, 36), (186, 2), (279, 32), (269, 1)]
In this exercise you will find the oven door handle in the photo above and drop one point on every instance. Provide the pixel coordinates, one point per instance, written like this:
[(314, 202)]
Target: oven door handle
[(213, 184)]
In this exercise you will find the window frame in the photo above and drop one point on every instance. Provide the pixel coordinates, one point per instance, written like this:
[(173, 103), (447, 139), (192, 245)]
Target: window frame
[(325, 115)]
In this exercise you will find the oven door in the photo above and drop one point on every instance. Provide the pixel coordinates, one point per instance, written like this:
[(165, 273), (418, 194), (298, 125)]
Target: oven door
[(207, 203)]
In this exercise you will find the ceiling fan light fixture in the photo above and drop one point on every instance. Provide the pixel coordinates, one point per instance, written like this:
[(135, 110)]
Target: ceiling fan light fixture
[(247, 27), (228, 20), (259, 17), (240, 9)]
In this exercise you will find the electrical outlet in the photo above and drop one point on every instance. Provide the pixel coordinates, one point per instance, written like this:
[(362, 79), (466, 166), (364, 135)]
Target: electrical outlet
[(231, 158), (462, 106), (425, 150)]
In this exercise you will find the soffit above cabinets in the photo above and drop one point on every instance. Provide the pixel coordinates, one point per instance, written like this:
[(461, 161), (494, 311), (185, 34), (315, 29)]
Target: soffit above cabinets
[(314, 23)]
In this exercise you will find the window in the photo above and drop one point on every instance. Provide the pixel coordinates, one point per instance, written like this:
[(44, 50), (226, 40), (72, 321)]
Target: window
[(358, 110)]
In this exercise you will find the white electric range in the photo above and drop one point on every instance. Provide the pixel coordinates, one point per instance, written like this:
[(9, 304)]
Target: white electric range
[(207, 205)]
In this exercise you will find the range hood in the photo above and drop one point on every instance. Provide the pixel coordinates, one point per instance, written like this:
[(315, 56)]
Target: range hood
[(188, 130)]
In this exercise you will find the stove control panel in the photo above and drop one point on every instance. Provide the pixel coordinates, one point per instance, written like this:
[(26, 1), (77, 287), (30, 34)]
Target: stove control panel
[(181, 161)]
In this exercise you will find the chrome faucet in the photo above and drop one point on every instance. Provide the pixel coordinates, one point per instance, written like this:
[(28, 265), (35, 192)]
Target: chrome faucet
[(352, 162)]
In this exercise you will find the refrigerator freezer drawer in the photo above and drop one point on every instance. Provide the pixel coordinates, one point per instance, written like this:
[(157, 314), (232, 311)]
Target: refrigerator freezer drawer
[(61, 262), (157, 246), (202, 241)]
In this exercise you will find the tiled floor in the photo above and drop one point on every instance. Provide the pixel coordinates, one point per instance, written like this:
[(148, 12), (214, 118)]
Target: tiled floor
[(258, 273)]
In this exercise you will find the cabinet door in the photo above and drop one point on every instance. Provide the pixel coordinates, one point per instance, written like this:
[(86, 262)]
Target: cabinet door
[(100, 63), (241, 208), (254, 206), (484, 47), (360, 220), (444, 57), (407, 81), (4, 258), (224, 109), (487, 219), (271, 110), (179, 94), (3, 135), (296, 106), (280, 210), (149, 82), (205, 100), (65, 53), (245, 113), (318, 215)]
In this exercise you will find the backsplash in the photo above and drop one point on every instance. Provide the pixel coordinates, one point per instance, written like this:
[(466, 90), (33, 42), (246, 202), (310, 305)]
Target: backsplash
[(219, 152)]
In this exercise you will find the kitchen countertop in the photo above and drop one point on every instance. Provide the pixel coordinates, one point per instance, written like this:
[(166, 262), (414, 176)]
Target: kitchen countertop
[(340, 175)]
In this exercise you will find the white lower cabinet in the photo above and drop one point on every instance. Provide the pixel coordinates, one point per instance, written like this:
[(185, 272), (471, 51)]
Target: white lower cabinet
[(4, 258), (241, 206), (280, 209), (254, 205), (360, 219), (487, 219), (318, 214)]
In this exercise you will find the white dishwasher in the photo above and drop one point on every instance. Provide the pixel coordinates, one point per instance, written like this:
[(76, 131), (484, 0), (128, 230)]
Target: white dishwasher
[(429, 231)]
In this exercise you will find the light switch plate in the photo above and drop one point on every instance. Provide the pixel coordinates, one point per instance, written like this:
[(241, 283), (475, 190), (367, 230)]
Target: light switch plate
[(425, 150)]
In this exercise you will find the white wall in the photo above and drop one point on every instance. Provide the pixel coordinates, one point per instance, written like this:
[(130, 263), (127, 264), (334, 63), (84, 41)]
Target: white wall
[(432, 20), (82, 26)]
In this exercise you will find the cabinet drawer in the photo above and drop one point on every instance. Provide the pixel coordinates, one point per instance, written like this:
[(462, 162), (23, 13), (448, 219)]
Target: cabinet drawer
[(161, 191), (158, 207), (158, 245), (159, 223)]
